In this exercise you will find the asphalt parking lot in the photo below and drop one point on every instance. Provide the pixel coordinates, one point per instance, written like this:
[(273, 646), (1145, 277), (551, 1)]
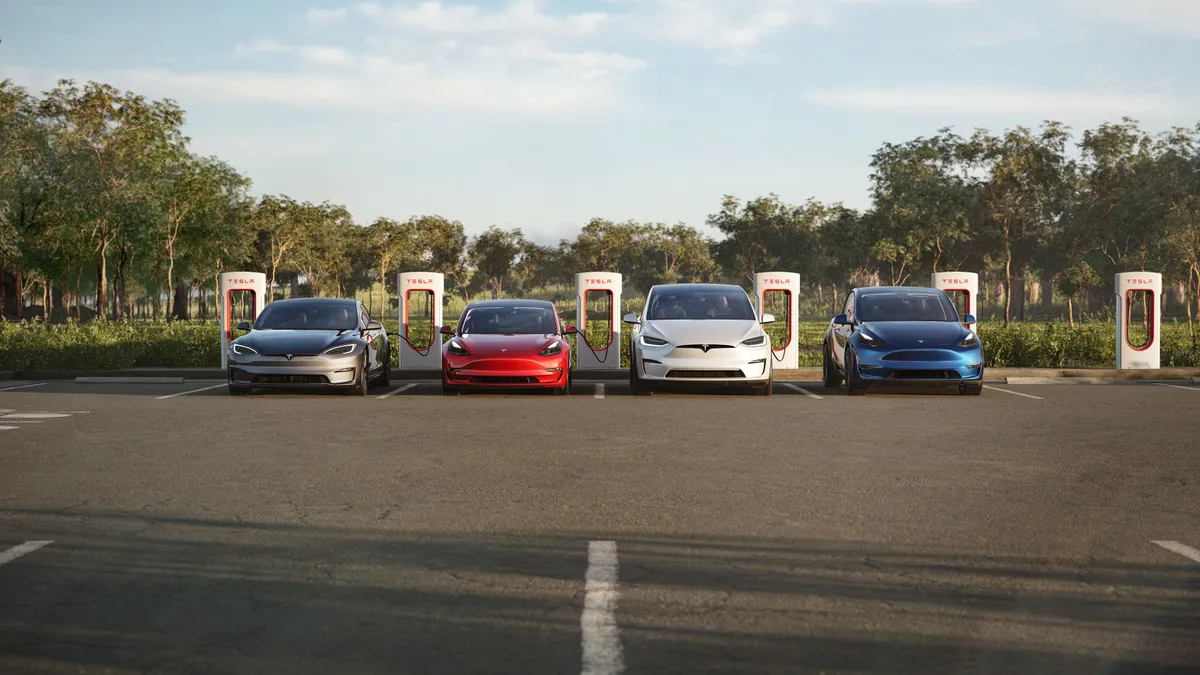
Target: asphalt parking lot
[(176, 529)]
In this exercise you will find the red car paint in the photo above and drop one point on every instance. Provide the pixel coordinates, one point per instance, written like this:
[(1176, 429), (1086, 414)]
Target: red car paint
[(505, 356)]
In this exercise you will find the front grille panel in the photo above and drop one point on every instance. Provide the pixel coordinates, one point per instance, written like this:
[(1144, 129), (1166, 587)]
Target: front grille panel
[(920, 355), (703, 374), (701, 347), (923, 375), (290, 379), (501, 379)]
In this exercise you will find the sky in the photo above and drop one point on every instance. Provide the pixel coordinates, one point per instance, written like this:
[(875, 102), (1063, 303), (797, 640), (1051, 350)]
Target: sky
[(543, 114)]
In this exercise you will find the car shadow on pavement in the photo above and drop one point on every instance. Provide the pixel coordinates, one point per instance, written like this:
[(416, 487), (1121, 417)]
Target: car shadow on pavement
[(136, 592)]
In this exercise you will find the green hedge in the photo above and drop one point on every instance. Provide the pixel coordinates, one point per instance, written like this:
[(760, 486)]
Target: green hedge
[(100, 345)]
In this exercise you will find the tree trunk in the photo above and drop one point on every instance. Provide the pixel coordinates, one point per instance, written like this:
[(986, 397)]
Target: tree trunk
[(45, 301), (20, 293), (1070, 314), (102, 281), (79, 296), (170, 277), (1047, 295), (1018, 295), (1008, 289), (181, 302)]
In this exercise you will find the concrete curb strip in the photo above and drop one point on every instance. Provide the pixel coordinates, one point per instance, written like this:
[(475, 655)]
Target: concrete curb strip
[(1058, 380), (129, 380)]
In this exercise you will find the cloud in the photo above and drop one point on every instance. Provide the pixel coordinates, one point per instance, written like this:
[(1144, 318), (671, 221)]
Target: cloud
[(268, 46), (332, 56), (324, 16), (976, 100), (524, 17), (1166, 17)]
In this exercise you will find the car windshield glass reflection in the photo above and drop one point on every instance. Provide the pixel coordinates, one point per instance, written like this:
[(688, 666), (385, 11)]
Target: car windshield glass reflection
[(705, 304), (509, 321), (905, 306), (307, 316)]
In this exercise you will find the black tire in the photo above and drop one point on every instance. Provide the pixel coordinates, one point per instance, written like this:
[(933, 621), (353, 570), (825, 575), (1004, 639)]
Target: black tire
[(235, 390), (385, 378), (564, 390), (829, 372), (364, 380), (765, 390), (639, 387), (853, 387), (970, 389), (449, 391)]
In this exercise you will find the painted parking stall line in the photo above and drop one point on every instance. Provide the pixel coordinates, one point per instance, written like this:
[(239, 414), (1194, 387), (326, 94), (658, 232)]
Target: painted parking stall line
[(1014, 393), (599, 391), (1176, 386), (22, 549), (23, 386), (191, 391), (602, 653), (1184, 550), (801, 390), (397, 390)]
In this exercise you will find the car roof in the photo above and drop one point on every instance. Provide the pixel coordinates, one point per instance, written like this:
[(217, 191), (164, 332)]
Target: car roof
[(684, 288), (873, 290), (314, 301), (510, 302)]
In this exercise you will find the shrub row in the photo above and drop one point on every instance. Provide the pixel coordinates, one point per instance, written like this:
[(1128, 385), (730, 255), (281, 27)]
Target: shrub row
[(99, 345)]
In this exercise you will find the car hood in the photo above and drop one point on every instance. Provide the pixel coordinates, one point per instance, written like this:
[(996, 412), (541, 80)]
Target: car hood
[(906, 333), (702, 331), (297, 342), (512, 345)]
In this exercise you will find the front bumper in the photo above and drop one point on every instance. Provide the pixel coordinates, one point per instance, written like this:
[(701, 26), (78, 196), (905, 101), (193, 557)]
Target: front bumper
[(947, 366), (474, 372), (300, 371), (683, 365)]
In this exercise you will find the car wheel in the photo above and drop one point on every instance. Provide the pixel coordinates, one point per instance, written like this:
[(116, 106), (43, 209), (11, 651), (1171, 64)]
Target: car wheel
[(385, 379), (829, 372), (564, 390), (238, 391), (364, 380), (766, 389), (853, 386), (639, 387), (449, 391), (970, 389)]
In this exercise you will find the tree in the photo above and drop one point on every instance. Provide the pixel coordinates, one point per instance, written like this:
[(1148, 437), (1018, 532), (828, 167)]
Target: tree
[(277, 219), (1074, 280), (390, 242), (493, 253)]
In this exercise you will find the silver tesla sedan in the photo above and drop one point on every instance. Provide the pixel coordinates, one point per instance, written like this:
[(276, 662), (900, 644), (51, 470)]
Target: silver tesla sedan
[(699, 334)]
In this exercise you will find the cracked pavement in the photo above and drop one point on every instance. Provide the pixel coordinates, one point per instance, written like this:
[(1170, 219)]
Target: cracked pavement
[(897, 533)]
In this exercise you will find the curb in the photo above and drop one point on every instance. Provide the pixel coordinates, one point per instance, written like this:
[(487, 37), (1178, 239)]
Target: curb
[(1058, 380), (129, 380)]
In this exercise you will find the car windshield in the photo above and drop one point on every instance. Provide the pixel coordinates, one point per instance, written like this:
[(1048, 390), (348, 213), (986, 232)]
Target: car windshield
[(701, 304), (905, 306), (307, 316), (513, 320)]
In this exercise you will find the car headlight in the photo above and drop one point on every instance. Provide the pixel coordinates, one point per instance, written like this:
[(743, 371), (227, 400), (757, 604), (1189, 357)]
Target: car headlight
[(869, 340), (969, 341), (242, 349), (754, 341), (648, 341), (340, 349), (551, 349), (455, 348)]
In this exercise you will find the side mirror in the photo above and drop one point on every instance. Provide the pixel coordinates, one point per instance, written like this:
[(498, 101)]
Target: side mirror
[(768, 318), (969, 318), (841, 320), (245, 325), (631, 318), (447, 330), (570, 330), (374, 325)]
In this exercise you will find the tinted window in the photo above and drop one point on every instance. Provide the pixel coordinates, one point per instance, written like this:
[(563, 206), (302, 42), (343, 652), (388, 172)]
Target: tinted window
[(905, 306), (701, 304), (514, 320), (307, 316)]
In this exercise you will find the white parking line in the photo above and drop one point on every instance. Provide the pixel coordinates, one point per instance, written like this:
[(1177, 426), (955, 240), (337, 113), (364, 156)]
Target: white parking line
[(599, 391), (397, 390), (23, 386), (191, 391), (806, 392), (1014, 393), (34, 415), (601, 638), (1182, 549), (21, 549), (8, 428), (1176, 386)]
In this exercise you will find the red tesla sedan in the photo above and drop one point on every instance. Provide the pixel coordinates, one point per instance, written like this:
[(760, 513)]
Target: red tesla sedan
[(507, 344)]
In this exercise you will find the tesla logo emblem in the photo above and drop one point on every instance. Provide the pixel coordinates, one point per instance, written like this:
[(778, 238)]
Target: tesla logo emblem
[(289, 357), (1140, 281), (704, 348), (420, 281), (954, 281), (504, 350), (921, 342), (779, 281), (242, 281), (598, 281)]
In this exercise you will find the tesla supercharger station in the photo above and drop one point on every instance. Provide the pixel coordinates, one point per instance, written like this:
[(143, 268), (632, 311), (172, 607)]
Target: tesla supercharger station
[(241, 283), (786, 284), (602, 288), (962, 288), (1138, 335), (420, 292)]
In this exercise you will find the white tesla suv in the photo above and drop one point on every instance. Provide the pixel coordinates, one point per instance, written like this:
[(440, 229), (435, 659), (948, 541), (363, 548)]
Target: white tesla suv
[(699, 334)]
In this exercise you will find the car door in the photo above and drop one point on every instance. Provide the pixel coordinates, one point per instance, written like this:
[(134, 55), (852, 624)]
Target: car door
[(841, 334)]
